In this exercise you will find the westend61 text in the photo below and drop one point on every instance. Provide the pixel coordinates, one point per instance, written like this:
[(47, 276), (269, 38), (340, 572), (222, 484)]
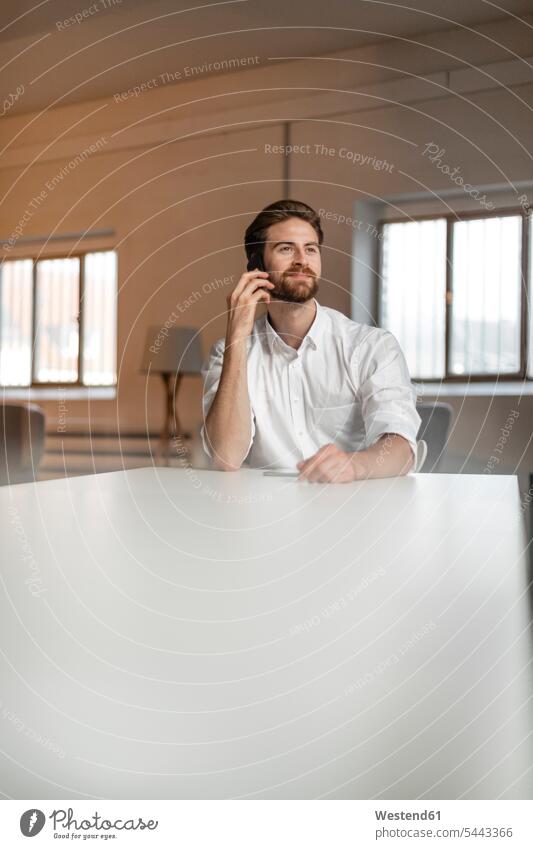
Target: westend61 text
[(407, 815)]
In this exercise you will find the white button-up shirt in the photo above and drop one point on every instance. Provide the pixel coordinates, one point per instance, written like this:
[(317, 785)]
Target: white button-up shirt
[(347, 383)]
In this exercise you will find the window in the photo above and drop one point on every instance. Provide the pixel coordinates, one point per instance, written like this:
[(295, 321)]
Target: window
[(529, 319), (453, 293), (413, 293), (56, 328), (485, 308), (16, 294), (58, 320)]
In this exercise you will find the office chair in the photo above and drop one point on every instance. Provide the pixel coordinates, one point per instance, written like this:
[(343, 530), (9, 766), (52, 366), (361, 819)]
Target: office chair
[(433, 432), (22, 433)]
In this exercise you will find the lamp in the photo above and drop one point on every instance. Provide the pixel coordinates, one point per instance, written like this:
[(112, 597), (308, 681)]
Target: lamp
[(171, 352)]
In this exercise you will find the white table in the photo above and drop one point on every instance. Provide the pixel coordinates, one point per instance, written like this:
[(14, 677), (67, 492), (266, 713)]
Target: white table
[(192, 634)]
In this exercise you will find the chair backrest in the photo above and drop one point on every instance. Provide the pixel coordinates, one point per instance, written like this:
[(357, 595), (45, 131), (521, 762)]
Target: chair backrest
[(421, 454), (22, 435), (434, 429)]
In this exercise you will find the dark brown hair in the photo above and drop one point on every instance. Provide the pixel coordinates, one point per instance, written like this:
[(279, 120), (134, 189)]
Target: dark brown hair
[(256, 234)]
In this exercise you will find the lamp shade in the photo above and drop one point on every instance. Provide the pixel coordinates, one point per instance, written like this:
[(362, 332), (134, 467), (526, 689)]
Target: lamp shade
[(172, 350)]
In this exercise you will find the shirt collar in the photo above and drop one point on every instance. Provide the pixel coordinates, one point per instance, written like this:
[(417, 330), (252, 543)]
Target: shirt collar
[(312, 337)]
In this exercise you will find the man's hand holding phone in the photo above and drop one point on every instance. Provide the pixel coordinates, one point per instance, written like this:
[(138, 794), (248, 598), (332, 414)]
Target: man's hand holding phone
[(253, 288)]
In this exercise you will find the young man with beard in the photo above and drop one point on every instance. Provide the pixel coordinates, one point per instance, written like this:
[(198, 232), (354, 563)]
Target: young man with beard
[(303, 388)]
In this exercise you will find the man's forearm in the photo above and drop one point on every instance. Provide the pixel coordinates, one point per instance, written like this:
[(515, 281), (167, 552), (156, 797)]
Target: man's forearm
[(390, 456), (227, 425)]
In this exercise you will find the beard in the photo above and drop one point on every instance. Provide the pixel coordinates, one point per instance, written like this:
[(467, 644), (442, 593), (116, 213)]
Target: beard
[(294, 291)]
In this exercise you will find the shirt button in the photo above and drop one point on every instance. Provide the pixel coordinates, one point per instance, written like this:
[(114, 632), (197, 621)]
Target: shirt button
[(295, 399)]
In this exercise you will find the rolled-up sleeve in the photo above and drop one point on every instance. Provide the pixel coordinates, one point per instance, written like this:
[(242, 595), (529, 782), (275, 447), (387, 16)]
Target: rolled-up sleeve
[(388, 398), (211, 371)]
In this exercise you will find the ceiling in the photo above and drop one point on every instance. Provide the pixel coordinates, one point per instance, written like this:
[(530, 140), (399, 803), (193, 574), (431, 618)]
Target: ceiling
[(121, 43)]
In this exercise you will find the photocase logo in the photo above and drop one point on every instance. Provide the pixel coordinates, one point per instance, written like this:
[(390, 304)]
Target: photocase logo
[(32, 822)]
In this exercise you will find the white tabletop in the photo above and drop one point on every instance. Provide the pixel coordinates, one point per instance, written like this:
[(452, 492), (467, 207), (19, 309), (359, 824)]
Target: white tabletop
[(170, 633)]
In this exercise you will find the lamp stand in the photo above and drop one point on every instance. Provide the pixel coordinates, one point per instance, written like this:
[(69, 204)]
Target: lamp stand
[(171, 424)]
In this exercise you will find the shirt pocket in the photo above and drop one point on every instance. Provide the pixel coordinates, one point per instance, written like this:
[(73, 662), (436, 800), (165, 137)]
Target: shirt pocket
[(262, 402), (334, 419)]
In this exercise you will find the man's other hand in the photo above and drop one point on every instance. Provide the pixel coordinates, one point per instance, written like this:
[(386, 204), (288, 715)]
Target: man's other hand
[(331, 465)]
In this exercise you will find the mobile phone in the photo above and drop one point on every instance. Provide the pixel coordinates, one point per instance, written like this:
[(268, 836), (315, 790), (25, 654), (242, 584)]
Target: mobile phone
[(273, 474), (255, 263)]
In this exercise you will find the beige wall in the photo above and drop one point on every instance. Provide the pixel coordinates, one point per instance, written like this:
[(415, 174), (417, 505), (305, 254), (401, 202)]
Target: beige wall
[(184, 168)]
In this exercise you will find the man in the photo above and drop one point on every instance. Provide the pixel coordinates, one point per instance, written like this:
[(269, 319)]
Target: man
[(303, 387)]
